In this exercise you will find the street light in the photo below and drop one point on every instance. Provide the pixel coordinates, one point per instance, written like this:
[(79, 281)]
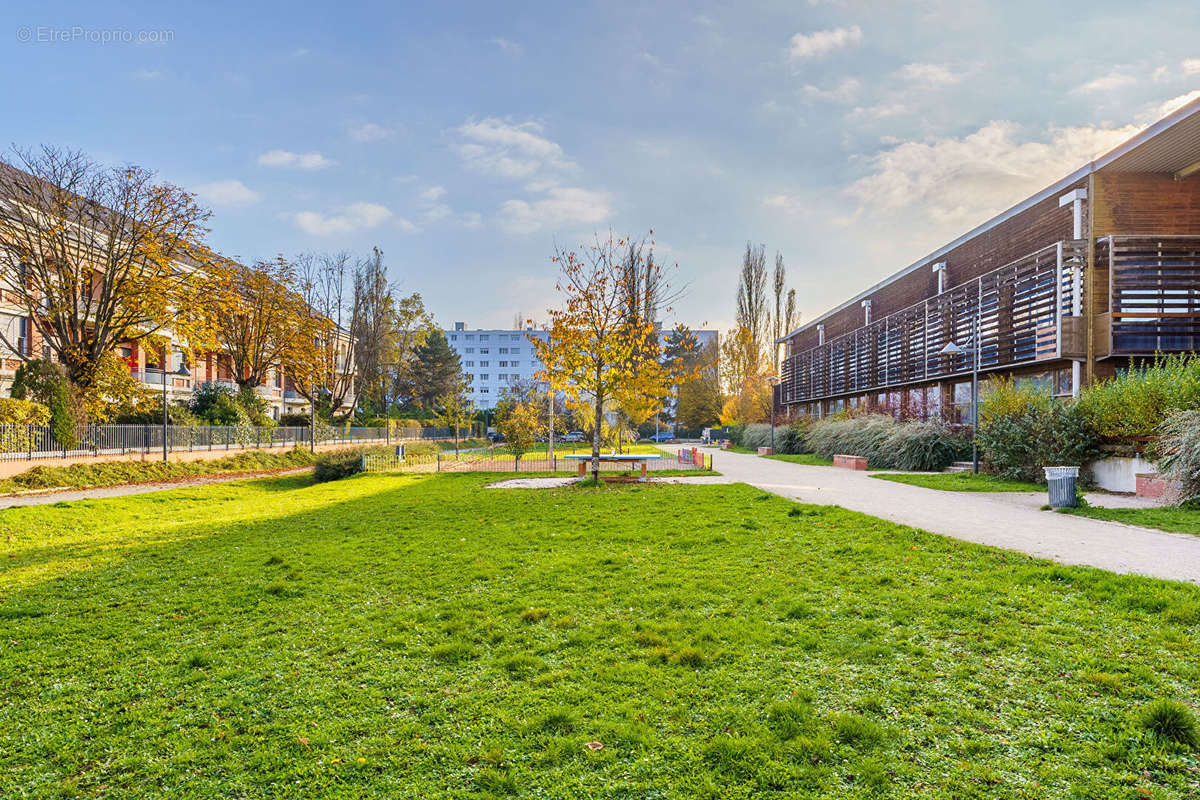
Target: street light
[(773, 380), (182, 372), (952, 349)]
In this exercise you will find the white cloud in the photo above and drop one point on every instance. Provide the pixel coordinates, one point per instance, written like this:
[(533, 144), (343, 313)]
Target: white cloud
[(510, 150), (229, 194), (147, 74), (929, 74), (955, 182), (556, 205), (507, 46), (433, 194), (286, 158), (351, 218), (1190, 66), (1161, 73), (844, 92), (1172, 105), (788, 203), (820, 43), (1107, 83), (370, 132)]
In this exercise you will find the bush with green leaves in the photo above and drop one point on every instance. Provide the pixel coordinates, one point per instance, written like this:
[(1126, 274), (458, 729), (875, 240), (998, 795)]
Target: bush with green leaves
[(337, 464), (1134, 404), (911, 446), (46, 382), (1037, 432), (923, 447), (217, 405), (855, 436), (1179, 452)]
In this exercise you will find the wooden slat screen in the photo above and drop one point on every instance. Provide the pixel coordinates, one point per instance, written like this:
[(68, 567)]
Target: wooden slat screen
[(1154, 293)]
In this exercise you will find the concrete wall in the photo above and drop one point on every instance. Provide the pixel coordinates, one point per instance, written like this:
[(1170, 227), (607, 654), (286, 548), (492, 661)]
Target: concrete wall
[(1118, 474)]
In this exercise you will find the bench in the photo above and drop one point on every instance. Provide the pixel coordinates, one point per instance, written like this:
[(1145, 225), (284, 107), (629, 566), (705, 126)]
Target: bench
[(766, 451), (615, 458), (850, 462)]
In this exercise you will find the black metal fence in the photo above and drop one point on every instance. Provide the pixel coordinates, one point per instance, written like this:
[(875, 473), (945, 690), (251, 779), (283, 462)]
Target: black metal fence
[(29, 442)]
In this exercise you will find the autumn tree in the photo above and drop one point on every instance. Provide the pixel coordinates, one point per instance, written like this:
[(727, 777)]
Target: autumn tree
[(95, 256), (700, 399), (599, 350), (264, 323), (519, 419)]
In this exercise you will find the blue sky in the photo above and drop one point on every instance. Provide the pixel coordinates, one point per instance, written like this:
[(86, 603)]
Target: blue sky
[(464, 139)]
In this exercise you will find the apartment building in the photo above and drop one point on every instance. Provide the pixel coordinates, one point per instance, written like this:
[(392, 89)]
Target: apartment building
[(492, 359), (1096, 272)]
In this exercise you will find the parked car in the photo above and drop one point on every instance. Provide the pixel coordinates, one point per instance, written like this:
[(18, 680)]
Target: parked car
[(573, 436), (664, 436)]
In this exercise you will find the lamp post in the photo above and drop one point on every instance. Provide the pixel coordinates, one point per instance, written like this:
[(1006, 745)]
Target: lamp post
[(953, 349), (182, 372), (773, 380)]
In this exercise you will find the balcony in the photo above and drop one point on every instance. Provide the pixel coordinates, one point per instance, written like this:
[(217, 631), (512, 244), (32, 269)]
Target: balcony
[(154, 378), (1153, 299), (1026, 312)]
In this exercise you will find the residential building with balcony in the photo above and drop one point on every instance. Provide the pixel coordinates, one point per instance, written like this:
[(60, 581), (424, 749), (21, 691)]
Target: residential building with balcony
[(1094, 273)]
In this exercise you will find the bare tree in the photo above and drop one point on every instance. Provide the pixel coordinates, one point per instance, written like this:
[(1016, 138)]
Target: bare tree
[(753, 315), (779, 281), (96, 256), (328, 284)]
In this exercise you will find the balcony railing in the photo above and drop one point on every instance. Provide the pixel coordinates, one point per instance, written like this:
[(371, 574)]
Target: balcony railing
[(1026, 312), (1153, 302)]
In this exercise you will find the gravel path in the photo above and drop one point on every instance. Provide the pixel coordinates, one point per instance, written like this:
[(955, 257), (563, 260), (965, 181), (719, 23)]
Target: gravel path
[(981, 517), (71, 495)]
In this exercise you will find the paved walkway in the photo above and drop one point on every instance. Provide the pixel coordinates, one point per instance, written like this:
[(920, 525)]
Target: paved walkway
[(985, 518)]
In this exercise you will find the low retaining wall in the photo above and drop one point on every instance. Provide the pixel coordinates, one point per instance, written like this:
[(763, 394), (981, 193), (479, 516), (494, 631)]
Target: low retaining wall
[(1120, 474), (850, 462), (11, 468)]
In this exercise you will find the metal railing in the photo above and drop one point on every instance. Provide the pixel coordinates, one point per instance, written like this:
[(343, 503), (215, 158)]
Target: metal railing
[(29, 442), (499, 460)]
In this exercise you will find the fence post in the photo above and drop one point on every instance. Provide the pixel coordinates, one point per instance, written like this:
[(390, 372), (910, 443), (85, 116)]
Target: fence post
[(516, 463), (364, 462), (439, 456), (554, 466)]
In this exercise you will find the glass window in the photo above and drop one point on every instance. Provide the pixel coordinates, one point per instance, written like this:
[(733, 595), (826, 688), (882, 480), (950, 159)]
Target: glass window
[(516, 350), (469, 364), (470, 349), (503, 349), (470, 337), (482, 377), (516, 337), (483, 363), (483, 350), (454, 337), (483, 337), (514, 363)]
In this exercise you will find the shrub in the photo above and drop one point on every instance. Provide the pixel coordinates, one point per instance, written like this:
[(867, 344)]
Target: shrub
[(295, 420), (1180, 451), (736, 434), (1134, 404), (1021, 431), (792, 440), (23, 412), (857, 436), (217, 405), (45, 382), (337, 464), (1172, 722), (922, 447)]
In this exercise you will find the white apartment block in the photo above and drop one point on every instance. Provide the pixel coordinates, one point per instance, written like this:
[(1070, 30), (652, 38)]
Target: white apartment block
[(493, 359)]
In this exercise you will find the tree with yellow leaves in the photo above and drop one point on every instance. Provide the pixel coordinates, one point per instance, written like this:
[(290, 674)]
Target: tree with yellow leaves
[(97, 256), (603, 346), (264, 323)]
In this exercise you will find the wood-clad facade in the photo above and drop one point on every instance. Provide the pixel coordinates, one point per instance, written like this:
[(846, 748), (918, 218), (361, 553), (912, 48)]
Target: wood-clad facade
[(1099, 269)]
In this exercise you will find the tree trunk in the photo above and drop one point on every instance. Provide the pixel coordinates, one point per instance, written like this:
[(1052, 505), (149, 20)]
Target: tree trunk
[(596, 440)]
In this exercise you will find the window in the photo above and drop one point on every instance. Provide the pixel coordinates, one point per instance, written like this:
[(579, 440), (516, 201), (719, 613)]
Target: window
[(516, 337), (483, 350), (514, 363), (483, 377), (504, 363), (483, 390), (454, 337), (483, 337), (470, 337), (469, 364), (501, 377), (516, 350), (483, 363), (23, 337), (468, 376), (503, 349)]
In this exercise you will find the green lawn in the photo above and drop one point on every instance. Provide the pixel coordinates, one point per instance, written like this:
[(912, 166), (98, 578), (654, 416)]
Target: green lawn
[(808, 459), (959, 482), (1170, 518), (421, 636)]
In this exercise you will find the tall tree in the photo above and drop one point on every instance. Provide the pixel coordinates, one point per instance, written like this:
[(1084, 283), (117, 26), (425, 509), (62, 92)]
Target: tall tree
[(699, 396), (597, 351), (436, 372), (778, 283), (753, 314), (96, 256), (264, 323), (328, 287), (455, 410)]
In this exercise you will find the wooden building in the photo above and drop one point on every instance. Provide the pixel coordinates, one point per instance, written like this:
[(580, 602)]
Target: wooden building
[(1095, 271)]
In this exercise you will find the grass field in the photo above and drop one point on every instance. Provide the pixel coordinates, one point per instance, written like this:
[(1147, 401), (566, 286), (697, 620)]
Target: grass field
[(421, 636), (1169, 518), (959, 482), (808, 459)]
